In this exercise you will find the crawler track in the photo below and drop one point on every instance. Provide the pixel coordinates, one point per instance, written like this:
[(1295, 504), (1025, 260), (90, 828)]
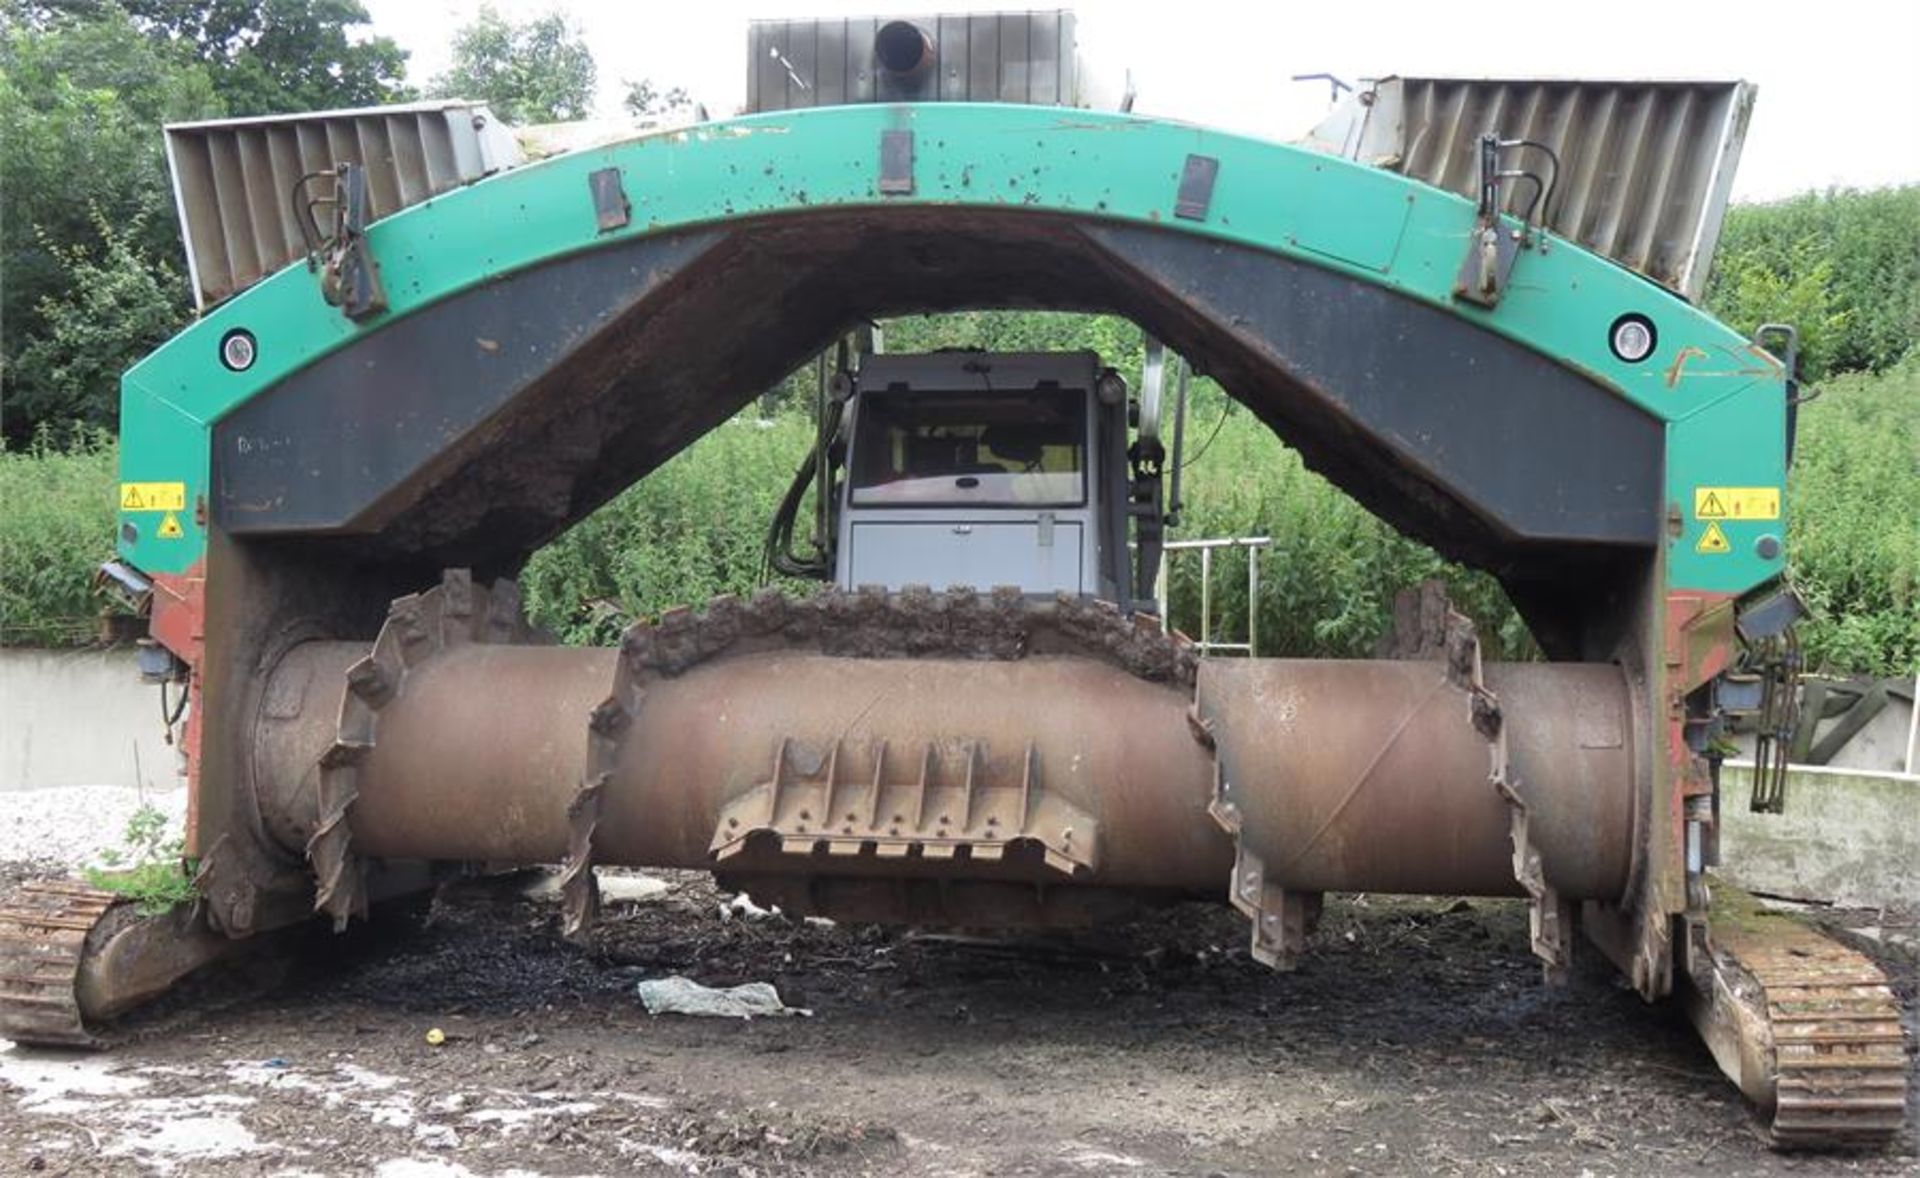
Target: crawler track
[(1839, 1060), (44, 929)]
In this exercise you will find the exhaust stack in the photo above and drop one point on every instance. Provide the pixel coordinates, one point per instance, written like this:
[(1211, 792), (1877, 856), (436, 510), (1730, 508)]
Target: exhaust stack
[(906, 53)]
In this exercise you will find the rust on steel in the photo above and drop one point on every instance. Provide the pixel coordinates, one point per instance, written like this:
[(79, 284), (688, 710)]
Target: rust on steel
[(1549, 911), (1352, 775), (1054, 738), (74, 957), (419, 628), (940, 800), (1808, 1028)]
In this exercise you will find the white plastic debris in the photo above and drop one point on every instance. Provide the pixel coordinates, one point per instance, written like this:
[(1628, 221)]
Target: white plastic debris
[(743, 907), (615, 888), (678, 995)]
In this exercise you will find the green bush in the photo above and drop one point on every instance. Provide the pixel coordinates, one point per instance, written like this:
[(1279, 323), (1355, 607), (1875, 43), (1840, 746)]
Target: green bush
[(1842, 266), (148, 866), (59, 493), (1854, 522), (691, 530), (1328, 581)]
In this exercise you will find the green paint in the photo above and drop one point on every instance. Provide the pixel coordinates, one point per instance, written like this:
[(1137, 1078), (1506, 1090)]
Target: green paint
[(1721, 405)]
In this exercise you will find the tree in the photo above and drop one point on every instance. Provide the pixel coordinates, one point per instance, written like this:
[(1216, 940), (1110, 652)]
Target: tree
[(537, 72), (1852, 256), (81, 103), (114, 305), (271, 56), (645, 100)]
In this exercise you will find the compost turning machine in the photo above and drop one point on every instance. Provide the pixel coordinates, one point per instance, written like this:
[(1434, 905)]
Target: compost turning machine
[(421, 356)]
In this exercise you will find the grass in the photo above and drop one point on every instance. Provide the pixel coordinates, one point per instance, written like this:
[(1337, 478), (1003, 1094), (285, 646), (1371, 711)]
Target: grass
[(58, 527), (148, 867)]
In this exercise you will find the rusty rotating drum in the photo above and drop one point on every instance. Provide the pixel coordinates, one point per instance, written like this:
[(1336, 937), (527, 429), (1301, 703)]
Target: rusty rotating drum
[(1056, 769)]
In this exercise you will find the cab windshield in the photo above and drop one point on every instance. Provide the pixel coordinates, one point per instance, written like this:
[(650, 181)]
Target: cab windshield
[(983, 448)]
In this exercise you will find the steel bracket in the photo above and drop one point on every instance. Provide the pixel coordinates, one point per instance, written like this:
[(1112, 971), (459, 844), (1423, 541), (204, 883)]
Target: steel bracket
[(1483, 273), (349, 276), (896, 163), (611, 208), (1195, 195), (849, 802)]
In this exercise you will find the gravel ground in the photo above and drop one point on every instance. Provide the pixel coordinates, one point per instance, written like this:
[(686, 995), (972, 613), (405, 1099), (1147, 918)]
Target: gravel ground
[(70, 826)]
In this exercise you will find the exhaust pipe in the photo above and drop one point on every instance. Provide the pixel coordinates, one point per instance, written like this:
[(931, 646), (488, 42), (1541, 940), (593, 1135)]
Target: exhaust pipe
[(906, 53)]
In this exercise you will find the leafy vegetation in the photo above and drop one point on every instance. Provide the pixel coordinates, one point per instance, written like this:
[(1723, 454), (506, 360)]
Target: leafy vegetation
[(539, 71), (59, 493), (148, 866), (690, 531), (89, 245), (1841, 266), (646, 100), (1854, 527)]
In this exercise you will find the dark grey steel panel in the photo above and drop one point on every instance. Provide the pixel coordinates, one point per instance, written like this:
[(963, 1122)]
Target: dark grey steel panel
[(1014, 66), (956, 54), (1043, 59), (832, 63), (983, 57), (420, 444), (329, 442), (1527, 444)]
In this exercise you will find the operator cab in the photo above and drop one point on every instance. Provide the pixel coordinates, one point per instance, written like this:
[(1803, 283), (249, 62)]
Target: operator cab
[(974, 470), (982, 469)]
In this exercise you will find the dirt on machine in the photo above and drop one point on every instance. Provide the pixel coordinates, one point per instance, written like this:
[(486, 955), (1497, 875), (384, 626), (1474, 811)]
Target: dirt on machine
[(455, 341)]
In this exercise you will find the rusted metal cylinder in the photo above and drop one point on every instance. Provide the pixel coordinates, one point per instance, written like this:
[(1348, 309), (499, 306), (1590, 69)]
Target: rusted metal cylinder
[(1358, 775), (485, 748), (1367, 775), (1109, 744)]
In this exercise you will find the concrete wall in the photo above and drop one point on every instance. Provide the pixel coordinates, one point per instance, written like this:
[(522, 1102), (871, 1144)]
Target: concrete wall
[(80, 718), (1883, 746), (1847, 837)]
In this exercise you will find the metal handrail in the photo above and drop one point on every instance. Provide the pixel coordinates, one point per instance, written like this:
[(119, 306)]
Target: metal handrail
[(1205, 645)]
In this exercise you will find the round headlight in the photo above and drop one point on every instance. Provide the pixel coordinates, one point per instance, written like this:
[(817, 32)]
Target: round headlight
[(238, 350), (1632, 338)]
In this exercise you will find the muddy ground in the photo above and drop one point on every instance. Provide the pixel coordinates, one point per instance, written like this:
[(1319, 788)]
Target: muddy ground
[(1416, 1038)]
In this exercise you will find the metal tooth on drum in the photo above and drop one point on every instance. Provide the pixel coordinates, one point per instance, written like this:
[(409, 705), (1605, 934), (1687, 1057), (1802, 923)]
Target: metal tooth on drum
[(419, 629)]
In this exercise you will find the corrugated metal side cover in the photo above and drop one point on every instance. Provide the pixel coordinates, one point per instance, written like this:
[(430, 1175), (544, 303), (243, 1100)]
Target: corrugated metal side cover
[(234, 179), (1646, 167), (1023, 57)]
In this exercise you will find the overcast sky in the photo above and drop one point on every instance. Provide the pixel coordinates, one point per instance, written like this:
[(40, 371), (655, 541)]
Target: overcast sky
[(1839, 100)]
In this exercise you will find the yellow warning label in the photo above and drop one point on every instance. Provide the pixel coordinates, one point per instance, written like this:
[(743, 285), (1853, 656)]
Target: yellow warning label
[(170, 527), (1713, 541), (1736, 503), (153, 497)]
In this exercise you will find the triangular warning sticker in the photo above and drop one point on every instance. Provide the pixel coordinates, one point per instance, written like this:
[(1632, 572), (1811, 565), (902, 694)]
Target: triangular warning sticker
[(1712, 508), (130, 500), (170, 528), (1713, 541)]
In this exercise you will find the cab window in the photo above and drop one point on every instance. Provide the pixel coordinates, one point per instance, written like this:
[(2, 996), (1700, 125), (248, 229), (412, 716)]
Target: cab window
[(984, 448)]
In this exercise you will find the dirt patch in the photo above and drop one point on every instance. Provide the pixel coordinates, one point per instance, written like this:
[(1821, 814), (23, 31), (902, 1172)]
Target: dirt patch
[(1416, 1037)]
